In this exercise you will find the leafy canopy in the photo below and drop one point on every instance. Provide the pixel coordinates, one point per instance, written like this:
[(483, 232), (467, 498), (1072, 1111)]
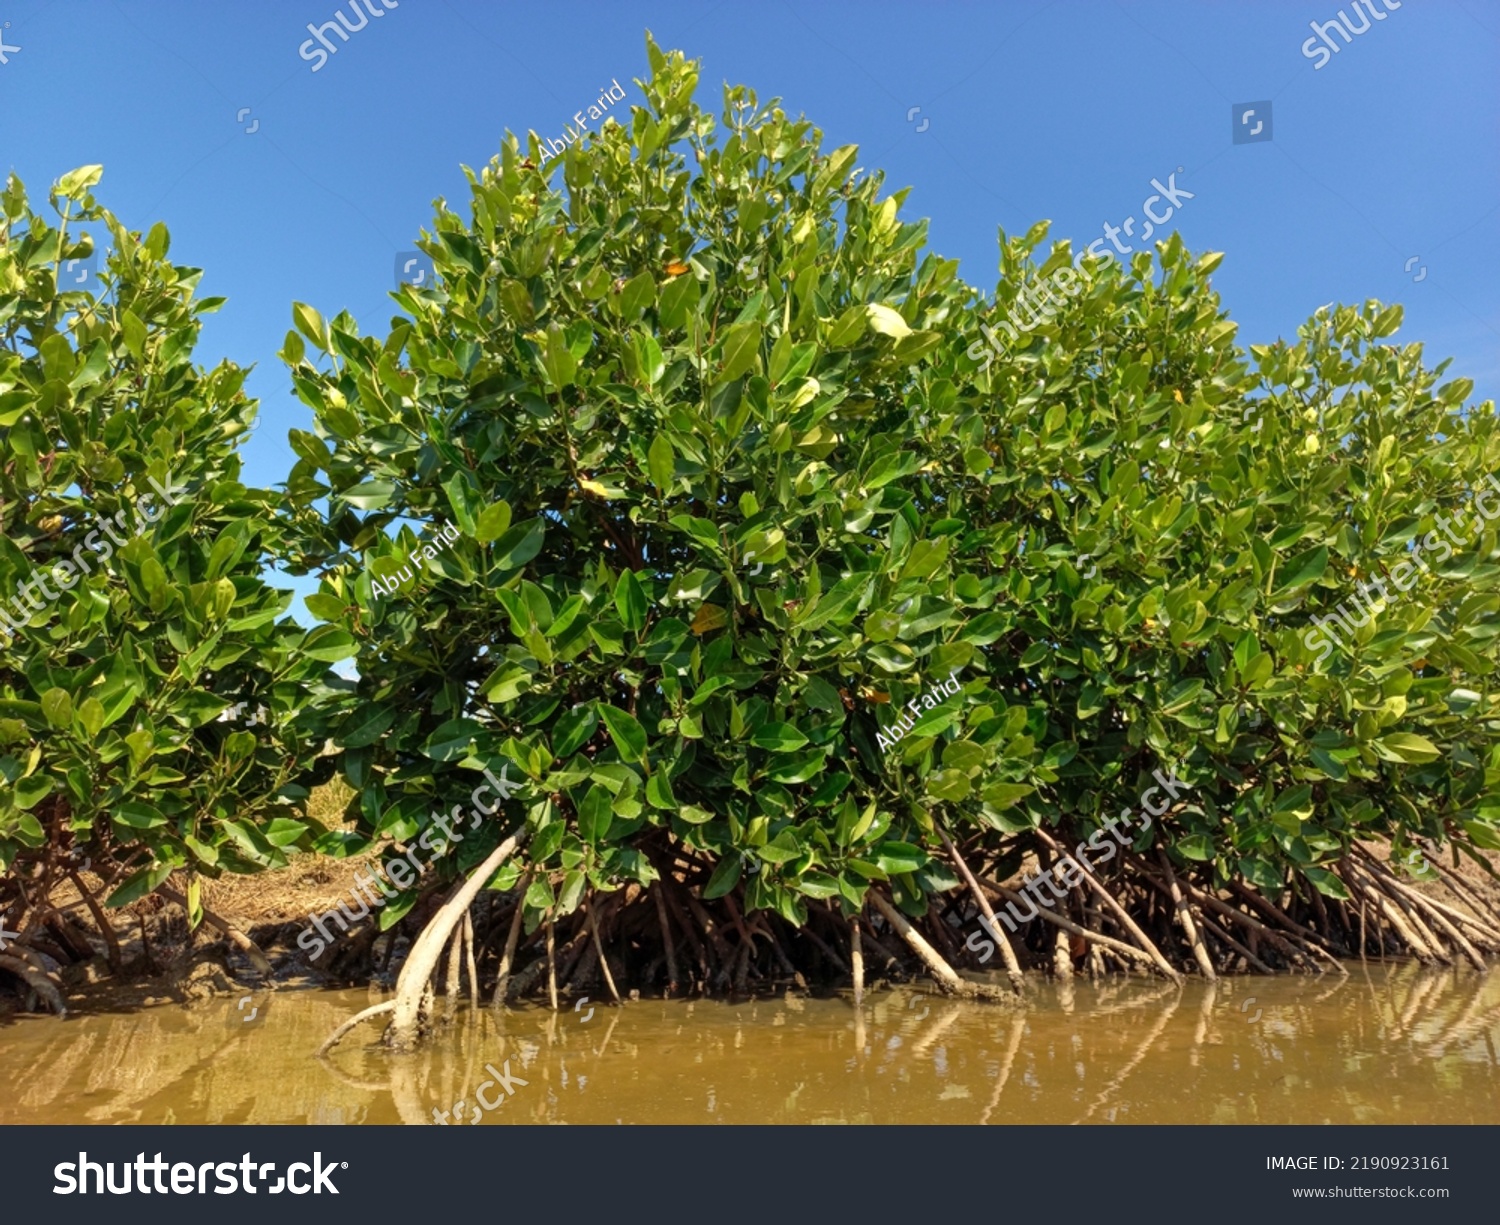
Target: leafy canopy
[(109, 696), (733, 489)]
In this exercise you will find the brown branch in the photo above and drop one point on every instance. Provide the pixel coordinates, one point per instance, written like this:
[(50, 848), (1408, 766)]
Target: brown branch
[(827, 950), (1185, 917), (508, 957), (1253, 925), (1315, 942), (857, 958), (609, 979), (551, 962), (37, 980), (1007, 952), (666, 935), (947, 979), (1068, 925), (1250, 958), (469, 963), (1124, 919), (1384, 907), (333, 1039), (224, 926)]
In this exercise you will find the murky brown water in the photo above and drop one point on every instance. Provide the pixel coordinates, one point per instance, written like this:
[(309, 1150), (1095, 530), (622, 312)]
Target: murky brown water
[(1385, 1045)]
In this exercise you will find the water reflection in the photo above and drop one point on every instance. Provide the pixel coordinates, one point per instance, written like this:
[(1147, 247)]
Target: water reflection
[(1384, 1044)]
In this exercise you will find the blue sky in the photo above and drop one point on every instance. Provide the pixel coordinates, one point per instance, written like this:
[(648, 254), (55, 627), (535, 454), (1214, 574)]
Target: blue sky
[(1388, 151)]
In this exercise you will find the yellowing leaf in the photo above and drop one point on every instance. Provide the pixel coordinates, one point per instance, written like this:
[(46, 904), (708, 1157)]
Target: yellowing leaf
[(806, 393), (886, 321), (1177, 395), (709, 617), (819, 435), (593, 487)]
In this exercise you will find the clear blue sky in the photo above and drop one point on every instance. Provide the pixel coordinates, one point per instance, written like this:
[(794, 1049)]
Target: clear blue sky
[(1389, 150)]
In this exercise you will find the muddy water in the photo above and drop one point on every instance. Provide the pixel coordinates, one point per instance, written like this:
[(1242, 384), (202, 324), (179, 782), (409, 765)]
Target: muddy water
[(1385, 1045)]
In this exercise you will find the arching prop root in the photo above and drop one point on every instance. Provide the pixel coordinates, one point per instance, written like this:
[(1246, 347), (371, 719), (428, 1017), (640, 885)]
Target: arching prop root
[(1185, 917), (405, 1028), (236, 937), (947, 978), (470, 966), (1007, 953), (1067, 925), (38, 980), (1304, 938), (512, 937), (857, 960), (1432, 929), (673, 977), (1122, 916), (111, 941), (609, 978), (333, 1039), (1181, 893), (1169, 918), (1486, 926)]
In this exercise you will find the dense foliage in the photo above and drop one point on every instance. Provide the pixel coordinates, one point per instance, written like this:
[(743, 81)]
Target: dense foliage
[(735, 486), (772, 585), (110, 744), (1175, 517)]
